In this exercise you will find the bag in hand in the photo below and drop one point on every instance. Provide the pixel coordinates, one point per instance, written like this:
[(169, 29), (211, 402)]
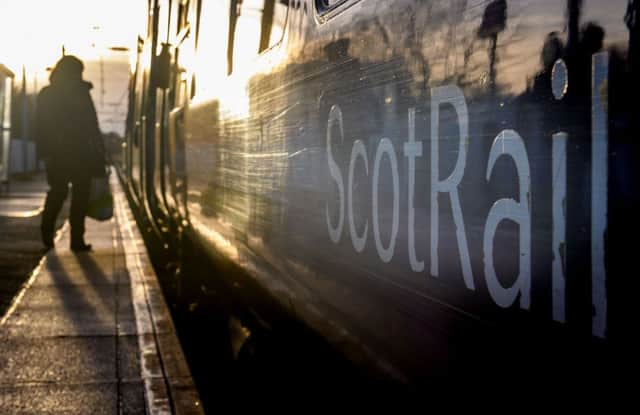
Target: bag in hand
[(100, 199)]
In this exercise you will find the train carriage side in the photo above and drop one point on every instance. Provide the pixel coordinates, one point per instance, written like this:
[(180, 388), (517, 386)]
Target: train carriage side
[(439, 186)]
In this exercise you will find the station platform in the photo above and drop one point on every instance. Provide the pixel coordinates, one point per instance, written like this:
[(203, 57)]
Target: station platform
[(90, 333)]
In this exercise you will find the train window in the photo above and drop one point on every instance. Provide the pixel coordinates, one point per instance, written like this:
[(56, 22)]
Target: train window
[(273, 22), (183, 9), (324, 6), (328, 3), (255, 26), (329, 8), (208, 65), (163, 13)]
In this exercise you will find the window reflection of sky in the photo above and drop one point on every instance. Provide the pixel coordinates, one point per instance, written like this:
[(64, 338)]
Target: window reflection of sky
[(528, 23), (210, 61)]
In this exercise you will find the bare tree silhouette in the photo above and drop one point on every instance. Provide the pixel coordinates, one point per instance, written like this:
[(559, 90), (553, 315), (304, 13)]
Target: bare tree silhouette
[(632, 19), (494, 21)]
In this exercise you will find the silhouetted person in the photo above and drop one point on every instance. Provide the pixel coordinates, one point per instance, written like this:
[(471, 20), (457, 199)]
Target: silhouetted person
[(552, 50), (70, 143), (592, 39)]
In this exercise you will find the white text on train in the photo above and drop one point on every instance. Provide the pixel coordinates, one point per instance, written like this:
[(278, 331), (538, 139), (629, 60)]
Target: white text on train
[(507, 143)]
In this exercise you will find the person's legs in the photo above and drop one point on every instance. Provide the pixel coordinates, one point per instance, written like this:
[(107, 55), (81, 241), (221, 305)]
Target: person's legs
[(79, 205), (58, 190)]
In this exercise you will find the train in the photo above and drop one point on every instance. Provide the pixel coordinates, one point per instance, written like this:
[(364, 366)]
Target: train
[(434, 188)]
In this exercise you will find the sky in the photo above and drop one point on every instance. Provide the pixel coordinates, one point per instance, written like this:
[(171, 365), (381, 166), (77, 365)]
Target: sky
[(34, 31)]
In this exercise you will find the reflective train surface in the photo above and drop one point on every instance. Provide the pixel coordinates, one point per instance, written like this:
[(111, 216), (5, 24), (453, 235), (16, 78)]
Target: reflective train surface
[(433, 187)]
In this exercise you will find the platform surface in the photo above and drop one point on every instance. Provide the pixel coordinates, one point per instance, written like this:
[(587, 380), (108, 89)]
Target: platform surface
[(90, 333)]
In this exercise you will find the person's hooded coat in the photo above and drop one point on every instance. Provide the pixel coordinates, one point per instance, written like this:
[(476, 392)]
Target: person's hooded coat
[(67, 131)]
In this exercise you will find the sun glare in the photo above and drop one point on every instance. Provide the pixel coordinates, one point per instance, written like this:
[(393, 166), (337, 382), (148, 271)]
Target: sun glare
[(38, 30), (101, 33)]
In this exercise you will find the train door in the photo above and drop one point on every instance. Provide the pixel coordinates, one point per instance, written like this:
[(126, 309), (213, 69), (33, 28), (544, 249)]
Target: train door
[(195, 129), (227, 153), (162, 96), (173, 168), (148, 145), (255, 44), (137, 128), (149, 122)]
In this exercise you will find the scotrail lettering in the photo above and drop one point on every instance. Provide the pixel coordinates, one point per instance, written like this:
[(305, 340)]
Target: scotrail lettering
[(507, 144)]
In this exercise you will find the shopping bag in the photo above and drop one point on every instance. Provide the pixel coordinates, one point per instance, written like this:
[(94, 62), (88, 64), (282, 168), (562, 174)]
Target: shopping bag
[(100, 199)]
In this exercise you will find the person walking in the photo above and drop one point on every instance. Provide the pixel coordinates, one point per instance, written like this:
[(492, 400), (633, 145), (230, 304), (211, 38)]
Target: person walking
[(70, 143)]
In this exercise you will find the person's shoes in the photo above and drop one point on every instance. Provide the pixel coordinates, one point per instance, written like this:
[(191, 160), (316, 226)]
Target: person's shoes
[(81, 247)]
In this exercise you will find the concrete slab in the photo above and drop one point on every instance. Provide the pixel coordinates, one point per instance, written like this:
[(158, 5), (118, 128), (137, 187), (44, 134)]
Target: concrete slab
[(132, 401), (68, 310), (104, 262), (50, 322), (85, 398), (47, 277), (97, 299), (61, 359), (128, 358)]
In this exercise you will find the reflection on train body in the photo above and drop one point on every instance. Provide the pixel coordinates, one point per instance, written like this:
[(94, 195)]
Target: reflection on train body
[(420, 182)]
